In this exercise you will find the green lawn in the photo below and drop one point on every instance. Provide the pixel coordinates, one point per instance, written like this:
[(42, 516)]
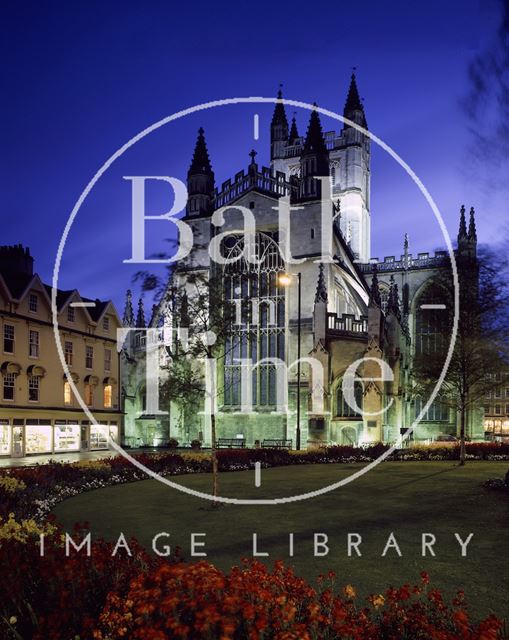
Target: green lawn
[(406, 498)]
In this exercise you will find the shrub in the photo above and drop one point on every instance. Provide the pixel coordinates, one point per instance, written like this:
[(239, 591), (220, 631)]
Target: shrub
[(173, 443)]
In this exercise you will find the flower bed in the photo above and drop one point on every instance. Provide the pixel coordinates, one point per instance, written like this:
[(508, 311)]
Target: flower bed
[(32, 492), (113, 597)]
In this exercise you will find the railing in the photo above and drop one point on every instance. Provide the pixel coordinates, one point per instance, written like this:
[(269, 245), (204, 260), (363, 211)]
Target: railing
[(265, 180), (421, 261), (347, 323)]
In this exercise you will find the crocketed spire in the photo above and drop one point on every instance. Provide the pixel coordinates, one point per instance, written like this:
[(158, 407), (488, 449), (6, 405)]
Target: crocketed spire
[(128, 319), (315, 142), (140, 316), (375, 288), (278, 128), (321, 288), (472, 232), (462, 233), (294, 134), (354, 109), (393, 300), (200, 164)]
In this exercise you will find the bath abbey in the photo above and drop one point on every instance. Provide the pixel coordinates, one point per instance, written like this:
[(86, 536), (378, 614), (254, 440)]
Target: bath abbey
[(324, 307)]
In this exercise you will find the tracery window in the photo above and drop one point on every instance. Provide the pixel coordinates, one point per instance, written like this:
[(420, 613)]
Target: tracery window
[(343, 409), (438, 411), (254, 289), (431, 325)]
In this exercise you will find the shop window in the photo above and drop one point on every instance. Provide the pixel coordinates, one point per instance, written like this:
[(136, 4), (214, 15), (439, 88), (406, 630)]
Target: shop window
[(8, 338), (107, 359), (67, 437), (5, 437), (98, 436), (89, 394), (71, 314), (108, 396), (33, 344), (89, 357), (68, 352), (39, 438), (32, 302), (33, 388), (67, 393), (8, 383)]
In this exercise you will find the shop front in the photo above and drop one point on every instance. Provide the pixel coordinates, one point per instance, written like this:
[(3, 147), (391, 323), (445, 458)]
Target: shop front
[(25, 437)]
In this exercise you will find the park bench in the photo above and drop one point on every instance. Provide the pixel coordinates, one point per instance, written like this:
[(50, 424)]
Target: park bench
[(231, 443), (276, 444)]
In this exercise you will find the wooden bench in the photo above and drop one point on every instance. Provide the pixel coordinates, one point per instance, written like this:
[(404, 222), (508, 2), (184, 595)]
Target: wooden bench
[(231, 443), (277, 444)]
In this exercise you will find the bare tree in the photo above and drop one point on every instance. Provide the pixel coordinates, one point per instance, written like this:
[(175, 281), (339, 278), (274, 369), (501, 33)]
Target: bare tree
[(481, 354)]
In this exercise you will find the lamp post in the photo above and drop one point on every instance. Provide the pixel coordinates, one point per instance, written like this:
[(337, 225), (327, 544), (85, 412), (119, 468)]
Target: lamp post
[(285, 279)]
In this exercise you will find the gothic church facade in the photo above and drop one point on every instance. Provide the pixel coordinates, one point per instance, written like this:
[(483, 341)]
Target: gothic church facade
[(352, 307)]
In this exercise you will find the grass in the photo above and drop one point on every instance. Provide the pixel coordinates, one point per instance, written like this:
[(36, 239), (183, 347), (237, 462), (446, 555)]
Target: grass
[(406, 498)]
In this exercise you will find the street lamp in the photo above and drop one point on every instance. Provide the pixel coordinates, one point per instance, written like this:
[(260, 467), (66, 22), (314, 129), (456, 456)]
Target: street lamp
[(285, 279)]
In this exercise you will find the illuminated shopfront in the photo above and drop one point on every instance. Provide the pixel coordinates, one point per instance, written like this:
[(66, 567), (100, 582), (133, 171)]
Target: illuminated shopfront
[(5, 438), (67, 437), (496, 427), (38, 437)]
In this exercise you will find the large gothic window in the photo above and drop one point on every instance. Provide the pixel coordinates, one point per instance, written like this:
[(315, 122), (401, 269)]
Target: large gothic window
[(343, 409), (255, 291), (431, 324), (438, 411)]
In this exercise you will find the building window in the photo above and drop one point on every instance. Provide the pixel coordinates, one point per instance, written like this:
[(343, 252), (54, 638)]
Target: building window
[(33, 344), (107, 359), (312, 233), (438, 412), (71, 314), (507, 409), (498, 393), (89, 394), (108, 396), (9, 381), (343, 409), (486, 409), (89, 357), (498, 410), (431, 325), (259, 336), (32, 302), (106, 323), (33, 388), (68, 352), (8, 338), (384, 297), (67, 393)]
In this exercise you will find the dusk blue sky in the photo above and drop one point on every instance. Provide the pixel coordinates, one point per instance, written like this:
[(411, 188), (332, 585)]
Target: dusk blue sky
[(81, 78)]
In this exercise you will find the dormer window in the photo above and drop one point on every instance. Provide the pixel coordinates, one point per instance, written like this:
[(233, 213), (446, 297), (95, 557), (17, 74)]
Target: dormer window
[(106, 323), (71, 314)]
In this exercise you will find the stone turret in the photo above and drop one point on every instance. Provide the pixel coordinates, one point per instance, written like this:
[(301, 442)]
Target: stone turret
[(200, 180)]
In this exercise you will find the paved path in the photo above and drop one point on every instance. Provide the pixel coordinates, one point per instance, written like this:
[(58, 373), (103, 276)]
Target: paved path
[(30, 461)]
